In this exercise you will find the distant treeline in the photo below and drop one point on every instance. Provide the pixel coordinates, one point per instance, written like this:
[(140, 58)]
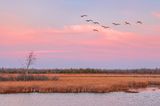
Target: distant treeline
[(70, 71)]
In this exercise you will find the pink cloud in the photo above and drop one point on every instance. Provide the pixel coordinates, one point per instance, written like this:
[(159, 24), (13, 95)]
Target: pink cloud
[(156, 14), (80, 42)]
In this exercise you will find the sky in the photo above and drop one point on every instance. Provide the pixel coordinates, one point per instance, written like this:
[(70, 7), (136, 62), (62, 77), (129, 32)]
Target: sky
[(60, 38)]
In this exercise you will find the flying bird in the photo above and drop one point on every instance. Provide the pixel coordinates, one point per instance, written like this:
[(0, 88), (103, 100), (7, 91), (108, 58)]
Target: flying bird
[(96, 23), (84, 16), (116, 24), (105, 27), (89, 20), (95, 30), (127, 23), (139, 22)]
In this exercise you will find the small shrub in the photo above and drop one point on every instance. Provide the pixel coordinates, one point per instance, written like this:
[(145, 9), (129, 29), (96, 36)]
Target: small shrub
[(7, 79), (28, 78)]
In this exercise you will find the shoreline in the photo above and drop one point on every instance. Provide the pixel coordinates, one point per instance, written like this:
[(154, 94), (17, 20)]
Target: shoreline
[(136, 90)]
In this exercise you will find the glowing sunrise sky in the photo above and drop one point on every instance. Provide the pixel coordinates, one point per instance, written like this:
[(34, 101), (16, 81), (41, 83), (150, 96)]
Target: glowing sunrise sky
[(60, 38)]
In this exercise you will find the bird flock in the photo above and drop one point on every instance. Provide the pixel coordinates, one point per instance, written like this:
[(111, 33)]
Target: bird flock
[(103, 26)]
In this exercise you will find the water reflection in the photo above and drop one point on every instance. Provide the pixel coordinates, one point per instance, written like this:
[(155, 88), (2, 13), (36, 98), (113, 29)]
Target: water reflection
[(145, 98)]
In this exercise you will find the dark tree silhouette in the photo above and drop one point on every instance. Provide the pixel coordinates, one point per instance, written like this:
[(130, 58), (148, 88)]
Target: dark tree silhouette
[(30, 59)]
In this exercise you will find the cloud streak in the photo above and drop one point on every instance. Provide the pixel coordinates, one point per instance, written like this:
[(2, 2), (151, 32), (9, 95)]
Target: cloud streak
[(80, 42), (156, 14)]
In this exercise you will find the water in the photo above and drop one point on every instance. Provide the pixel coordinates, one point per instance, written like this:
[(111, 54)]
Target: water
[(145, 98)]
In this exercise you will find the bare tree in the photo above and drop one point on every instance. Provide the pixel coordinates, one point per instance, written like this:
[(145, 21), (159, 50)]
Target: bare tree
[(30, 59)]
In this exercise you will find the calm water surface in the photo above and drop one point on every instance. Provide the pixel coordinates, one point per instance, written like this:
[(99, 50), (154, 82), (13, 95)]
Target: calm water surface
[(145, 98)]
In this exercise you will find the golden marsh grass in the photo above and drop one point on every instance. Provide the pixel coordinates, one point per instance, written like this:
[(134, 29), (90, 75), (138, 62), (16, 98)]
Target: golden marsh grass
[(77, 83)]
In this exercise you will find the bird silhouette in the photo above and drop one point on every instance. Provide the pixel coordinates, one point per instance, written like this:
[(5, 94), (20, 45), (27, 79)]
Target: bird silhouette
[(116, 24), (127, 23), (84, 16), (89, 20), (139, 22), (105, 27), (96, 23), (95, 30)]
